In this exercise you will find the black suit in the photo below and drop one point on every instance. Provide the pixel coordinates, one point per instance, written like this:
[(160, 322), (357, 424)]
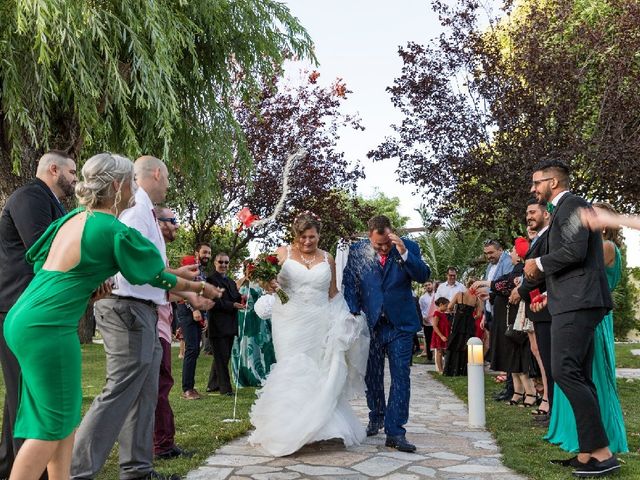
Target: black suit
[(578, 299), (223, 327), (26, 215), (542, 319)]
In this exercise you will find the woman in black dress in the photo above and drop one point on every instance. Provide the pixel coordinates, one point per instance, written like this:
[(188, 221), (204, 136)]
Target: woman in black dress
[(508, 355), (464, 306)]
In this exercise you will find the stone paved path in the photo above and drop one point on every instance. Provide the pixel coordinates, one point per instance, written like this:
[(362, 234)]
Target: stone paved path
[(447, 448)]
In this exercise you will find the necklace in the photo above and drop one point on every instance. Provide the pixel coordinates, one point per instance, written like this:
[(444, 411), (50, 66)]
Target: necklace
[(305, 261)]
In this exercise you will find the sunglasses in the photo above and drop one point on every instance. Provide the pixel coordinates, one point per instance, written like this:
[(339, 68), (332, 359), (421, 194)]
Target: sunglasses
[(223, 262), (173, 220)]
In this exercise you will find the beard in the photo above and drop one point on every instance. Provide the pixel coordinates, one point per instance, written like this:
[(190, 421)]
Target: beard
[(66, 186)]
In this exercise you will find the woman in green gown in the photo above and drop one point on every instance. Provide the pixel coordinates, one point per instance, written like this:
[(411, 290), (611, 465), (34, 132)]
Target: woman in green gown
[(562, 425), (252, 354), (72, 259)]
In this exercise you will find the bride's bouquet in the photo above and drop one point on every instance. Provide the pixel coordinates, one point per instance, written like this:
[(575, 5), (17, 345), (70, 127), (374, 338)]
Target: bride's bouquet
[(264, 269)]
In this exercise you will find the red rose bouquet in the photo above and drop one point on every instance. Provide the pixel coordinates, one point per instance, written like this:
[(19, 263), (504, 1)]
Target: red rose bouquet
[(265, 268)]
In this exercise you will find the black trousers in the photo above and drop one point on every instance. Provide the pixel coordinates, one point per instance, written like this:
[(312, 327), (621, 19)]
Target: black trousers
[(219, 375), (428, 333), (571, 359), (543, 338), (192, 334)]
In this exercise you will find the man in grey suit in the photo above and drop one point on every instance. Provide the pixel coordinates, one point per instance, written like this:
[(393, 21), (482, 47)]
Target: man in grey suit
[(578, 298)]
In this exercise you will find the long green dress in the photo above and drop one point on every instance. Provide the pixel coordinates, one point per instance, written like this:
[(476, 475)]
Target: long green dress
[(562, 425), (253, 353), (42, 327)]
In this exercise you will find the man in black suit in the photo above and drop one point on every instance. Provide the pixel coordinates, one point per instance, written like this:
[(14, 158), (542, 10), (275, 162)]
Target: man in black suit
[(578, 298), (26, 215), (223, 326), (538, 221)]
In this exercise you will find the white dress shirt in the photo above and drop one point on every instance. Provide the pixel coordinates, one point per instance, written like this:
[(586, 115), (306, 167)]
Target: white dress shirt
[(449, 291), (142, 218), (554, 202)]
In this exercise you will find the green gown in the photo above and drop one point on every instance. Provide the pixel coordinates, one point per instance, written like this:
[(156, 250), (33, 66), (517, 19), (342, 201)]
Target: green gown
[(42, 327), (253, 353), (562, 425)]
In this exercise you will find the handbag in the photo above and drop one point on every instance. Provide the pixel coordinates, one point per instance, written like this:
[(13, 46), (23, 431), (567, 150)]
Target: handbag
[(516, 336)]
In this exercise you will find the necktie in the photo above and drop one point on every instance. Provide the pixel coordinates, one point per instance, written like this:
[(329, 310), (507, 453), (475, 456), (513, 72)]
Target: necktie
[(383, 259), (550, 207)]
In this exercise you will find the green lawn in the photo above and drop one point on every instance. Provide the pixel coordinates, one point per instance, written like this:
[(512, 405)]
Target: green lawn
[(199, 425), (522, 444), (624, 357)]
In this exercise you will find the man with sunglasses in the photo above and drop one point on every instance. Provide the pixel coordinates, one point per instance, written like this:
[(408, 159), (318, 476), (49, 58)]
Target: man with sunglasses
[(223, 326)]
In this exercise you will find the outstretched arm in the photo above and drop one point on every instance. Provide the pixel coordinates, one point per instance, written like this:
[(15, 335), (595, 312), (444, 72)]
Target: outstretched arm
[(333, 287)]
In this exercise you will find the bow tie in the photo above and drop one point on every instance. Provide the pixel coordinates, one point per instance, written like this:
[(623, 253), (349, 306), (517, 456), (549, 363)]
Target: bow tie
[(550, 207)]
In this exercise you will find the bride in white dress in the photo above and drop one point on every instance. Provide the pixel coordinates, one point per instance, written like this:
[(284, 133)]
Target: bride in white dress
[(321, 353)]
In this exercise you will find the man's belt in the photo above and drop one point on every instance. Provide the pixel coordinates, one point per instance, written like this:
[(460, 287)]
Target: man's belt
[(148, 303)]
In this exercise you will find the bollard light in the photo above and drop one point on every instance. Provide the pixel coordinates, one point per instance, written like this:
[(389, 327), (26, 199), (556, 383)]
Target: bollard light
[(475, 382)]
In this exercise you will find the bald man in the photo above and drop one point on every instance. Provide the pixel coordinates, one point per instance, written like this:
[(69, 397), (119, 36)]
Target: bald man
[(127, 320), (26, 215)]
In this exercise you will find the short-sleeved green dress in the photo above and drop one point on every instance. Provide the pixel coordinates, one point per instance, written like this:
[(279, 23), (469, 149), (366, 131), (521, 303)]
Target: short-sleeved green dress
[(42, 327)]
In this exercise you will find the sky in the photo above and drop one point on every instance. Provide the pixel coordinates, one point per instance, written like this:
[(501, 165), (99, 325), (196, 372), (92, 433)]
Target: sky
[(358, 41)]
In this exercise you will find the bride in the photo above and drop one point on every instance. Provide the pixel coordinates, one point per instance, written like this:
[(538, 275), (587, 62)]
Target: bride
[(321, 352)]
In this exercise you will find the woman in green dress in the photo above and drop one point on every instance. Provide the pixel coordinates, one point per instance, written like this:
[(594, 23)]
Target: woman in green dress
[(72, 259), (562, 425), (252, 354)]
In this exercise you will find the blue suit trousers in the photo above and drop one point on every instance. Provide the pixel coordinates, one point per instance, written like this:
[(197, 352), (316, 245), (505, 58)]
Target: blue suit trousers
[(386, 340)]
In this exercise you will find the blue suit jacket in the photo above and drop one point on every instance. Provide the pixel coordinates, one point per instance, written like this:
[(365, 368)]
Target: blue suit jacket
[(373, 289)]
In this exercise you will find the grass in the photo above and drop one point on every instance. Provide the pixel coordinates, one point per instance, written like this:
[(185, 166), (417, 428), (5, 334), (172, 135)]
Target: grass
[(199, 425), (624, 357), (521, 443)]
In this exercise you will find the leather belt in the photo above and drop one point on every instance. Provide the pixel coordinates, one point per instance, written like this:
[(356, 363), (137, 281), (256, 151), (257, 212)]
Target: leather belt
[(148, 303)]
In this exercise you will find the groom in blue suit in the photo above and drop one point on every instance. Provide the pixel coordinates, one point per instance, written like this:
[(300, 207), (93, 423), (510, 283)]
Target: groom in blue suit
[(377, 281)]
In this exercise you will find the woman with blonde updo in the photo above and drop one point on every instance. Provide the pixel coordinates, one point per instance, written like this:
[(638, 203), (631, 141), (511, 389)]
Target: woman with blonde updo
[(321, 352), (72, 259)]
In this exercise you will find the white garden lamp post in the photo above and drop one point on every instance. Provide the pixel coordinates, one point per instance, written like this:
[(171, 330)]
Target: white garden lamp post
[(475, 380)]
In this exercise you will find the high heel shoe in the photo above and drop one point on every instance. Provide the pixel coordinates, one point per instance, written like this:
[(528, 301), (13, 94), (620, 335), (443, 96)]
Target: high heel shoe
[(538, 412), (516, 402), (532, 404)]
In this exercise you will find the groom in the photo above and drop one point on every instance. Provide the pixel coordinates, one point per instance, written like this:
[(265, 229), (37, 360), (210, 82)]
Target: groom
[(377, 281)]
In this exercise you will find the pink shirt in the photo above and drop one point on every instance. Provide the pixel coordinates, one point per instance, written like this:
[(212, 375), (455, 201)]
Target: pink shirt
[(165, 317)]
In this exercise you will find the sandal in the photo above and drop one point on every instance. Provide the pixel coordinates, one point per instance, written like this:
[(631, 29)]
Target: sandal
[(538, 412), (500, 378), (516, 402), (532, 404)]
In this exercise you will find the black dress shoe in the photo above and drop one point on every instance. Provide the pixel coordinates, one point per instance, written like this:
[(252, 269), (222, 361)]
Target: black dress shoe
[(174, 452), (400, 443), (210, 390), (153, 475), (373, 429), (502, 396), (568, 462), (594, 468)]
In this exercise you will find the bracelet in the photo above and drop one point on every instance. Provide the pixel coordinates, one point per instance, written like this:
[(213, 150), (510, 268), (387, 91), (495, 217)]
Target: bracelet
[(202, 285)]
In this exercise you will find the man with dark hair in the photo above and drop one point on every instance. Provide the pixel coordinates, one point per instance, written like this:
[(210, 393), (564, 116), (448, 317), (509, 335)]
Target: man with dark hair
[(451, 287), (223, 326), (377, 281), (578, 297), (538, 221), (26, 215), (191, 321), (498, 264), (164, 431)]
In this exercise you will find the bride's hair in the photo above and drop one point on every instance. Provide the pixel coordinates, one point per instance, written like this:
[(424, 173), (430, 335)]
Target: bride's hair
[(304, 221)]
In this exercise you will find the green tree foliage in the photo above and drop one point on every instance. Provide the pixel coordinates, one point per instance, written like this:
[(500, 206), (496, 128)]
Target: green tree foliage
[(625, 300), (453, 245), (158, 77), (489, 99)]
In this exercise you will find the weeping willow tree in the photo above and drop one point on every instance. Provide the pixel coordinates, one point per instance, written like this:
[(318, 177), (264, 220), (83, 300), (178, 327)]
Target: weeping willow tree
[(156, 77)]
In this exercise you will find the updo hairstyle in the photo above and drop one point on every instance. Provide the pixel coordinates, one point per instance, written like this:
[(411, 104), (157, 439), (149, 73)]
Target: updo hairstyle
[(304, 221), (98, 174)]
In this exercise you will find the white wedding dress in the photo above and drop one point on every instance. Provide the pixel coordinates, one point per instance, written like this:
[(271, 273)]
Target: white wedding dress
[(321, 354)]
